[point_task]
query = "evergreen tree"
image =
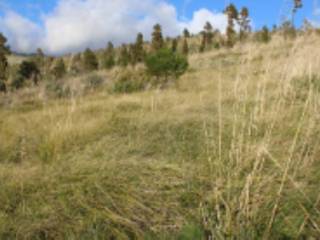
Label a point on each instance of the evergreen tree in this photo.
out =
(164, 64)
(232, 14)
(186, 33)
(185, 47)
(209, 33)
(174, 45)
(137, 53)
(139, 50)
(90, 62)
(157, 38)
(109, 56)
(244, 23)
(59, 69)
(4, 50)
(124, 57)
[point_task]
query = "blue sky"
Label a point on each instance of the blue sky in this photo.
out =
(28, 23)
(263, 12)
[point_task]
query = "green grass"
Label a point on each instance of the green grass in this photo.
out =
(232, 151)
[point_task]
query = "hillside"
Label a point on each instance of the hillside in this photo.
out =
(231, 151)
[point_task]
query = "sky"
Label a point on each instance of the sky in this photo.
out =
(64, 26)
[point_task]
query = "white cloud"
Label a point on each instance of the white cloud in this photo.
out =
(76, 24)
(22, 33)
(200, 17)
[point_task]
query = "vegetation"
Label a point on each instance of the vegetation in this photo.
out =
(139, 52)
(157, 38)
(124, 58)
(90, 62)
(4, 50)
(186, 33)
(123, 152)
(232, 14)
(244, 23)
(264, 35)
(185, 47)
(165, 64)
(174, 46)
(109, 57)
(59, 69)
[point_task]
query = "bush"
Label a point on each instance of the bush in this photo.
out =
(129, 82)
(90, 62)
(263, 36)
(27, 69)
(59, 69)
(17, 81)
(93, 81)
(165, 64)
(56, 89)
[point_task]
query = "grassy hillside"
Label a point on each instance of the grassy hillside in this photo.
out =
(232, 151)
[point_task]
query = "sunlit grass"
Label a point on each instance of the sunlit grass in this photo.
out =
(232, 152)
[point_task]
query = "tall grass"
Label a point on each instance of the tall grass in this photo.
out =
(231, 153)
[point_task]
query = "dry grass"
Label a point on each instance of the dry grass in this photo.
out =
(232, 152)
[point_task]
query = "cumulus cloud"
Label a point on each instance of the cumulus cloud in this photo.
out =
(218, 21)
(76, 24)
(21, 32)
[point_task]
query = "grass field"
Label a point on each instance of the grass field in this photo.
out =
(232, 151)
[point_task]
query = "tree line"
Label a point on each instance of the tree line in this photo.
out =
(163, 57)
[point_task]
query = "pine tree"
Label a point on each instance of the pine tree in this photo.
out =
(3, 62)
(139, 50)
(109, 56)
(244, 23)
(59, 69)
(137, 53)
(209, 33)
(174, 45)
(232, 14)
(185, 47)
(90, 62)
(186, 33)
(157, 38)
(124, 57)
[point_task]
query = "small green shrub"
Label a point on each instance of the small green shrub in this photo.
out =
(165, 65)
(127, 84)
(129, 81)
